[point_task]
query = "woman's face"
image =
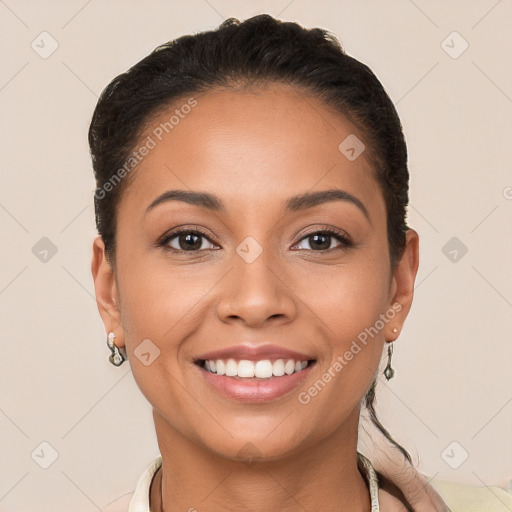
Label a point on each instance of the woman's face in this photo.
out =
(256, 274)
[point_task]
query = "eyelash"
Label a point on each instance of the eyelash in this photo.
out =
(339, 235)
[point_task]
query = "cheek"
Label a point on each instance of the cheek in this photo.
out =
(350, 299)
(351, 305)
(157, 295)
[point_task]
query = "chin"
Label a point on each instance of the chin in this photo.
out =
(252, 448)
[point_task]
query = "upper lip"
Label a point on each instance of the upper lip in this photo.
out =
(255, 353)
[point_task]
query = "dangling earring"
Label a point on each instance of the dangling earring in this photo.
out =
(116, 358)
(389, 372)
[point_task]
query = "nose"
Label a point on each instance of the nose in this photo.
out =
(257, 293)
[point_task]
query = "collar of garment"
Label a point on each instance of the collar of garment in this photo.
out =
(415, 487)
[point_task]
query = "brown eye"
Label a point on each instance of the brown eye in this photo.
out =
(321, 240)
(187, 240)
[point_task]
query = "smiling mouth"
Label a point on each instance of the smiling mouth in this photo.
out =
(264, 369)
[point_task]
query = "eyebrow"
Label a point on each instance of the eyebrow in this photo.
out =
(293, 204)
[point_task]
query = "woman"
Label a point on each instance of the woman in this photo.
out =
(253, 262)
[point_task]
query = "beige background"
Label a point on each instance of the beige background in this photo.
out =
(453, 359)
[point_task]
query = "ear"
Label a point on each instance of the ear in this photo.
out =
(107, 297)
(402, 283)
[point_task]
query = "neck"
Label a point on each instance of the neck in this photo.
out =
(324, 477)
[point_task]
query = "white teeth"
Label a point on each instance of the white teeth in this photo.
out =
(221, 367)
(289, 367)
(278, 368)
(263, 369)
(260, 369)
(245, 368)
(231, 368)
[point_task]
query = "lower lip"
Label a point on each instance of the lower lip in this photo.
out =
(255, 390)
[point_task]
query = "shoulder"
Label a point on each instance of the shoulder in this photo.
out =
(469, 498)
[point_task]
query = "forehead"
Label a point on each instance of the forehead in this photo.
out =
(252, 147)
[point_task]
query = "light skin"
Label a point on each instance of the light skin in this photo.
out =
(254, 149)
